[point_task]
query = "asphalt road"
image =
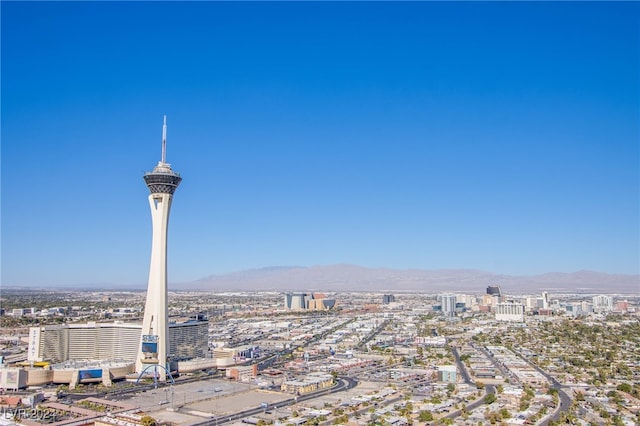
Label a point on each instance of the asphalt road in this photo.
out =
(565, 399)
(463, 368)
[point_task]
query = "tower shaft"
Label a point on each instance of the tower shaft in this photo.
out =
(155, 325)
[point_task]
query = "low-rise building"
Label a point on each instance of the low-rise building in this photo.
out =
(309, 383)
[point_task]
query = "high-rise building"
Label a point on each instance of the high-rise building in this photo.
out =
(449, 304)
(494, 290)
(602, 303)
(510, 311)
(467, 300)
(388, 298)
(154, 343)
(546, 300)
(315, 301)
(112, 341)
(295, 301)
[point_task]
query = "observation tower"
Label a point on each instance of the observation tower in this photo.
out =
(154, 345)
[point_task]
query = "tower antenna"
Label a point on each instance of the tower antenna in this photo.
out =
(164, 140)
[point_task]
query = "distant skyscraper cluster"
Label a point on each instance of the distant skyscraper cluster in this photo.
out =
(493, 301)
(514, 309)
(310, 301)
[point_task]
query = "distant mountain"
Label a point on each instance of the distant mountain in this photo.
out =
(357, 278)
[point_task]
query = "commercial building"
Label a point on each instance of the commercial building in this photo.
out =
(13, 379)
(111, 341)
(448, 304)
(510, 311)
(447, 373)
(579, 308)
(70, 373)
(242, 373)
(494, 290)
(121, 419)
(602, 303)
(309, 383)
(295, 301)
(315, 301)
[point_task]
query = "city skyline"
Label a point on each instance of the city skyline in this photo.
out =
(499, 137)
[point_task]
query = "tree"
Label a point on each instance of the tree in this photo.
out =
(148, 421)
(504, 413)
(490, 399)
(624, 387)
(425, 416)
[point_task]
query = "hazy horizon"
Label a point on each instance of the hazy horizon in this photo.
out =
(334, 278)
(500, 137)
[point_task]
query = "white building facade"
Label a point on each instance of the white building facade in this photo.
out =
(509, 311)
(111, 341)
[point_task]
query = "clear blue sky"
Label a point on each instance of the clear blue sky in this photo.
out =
(496, 136)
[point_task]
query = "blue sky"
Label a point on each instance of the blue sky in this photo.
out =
(496, 136)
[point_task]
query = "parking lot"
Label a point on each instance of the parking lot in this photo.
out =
(189, 403)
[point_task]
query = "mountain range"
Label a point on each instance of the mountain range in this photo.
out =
(341, 278)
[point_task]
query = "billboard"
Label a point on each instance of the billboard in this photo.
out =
(90, 375)
(149, 348)
(12, 378)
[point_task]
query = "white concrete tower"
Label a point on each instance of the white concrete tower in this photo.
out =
(154, 345)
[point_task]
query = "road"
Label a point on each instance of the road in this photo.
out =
(461, 367)
(565, 399)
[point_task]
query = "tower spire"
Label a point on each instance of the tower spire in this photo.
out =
(164, 140)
